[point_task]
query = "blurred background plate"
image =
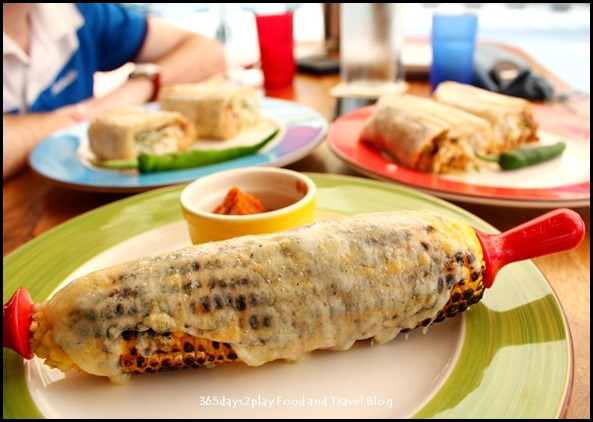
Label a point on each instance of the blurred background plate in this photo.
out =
(562, 182)
(62, 158)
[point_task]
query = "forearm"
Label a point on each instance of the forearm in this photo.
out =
(184, 56)
(21, 133)
(194, 59)
(190, 58)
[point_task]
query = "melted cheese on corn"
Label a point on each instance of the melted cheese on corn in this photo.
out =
(277, 296)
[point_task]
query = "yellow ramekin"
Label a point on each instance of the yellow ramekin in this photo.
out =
(289, 195)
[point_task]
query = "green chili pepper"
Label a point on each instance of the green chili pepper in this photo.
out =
(151, 163)
(123, 164)
(523, 157)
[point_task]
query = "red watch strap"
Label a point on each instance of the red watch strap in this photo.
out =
(156, 86)
(153, 73)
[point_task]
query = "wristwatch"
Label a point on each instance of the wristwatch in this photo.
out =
(152, 72)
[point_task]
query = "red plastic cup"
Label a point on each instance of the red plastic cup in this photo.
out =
(276, 45)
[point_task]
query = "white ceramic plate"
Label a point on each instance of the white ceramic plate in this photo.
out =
(509, 356)
(65, 159)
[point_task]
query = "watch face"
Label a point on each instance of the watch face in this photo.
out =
(148, 69)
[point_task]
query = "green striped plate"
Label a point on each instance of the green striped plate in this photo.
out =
(509, 356)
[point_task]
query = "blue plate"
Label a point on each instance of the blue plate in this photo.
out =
(61, 157)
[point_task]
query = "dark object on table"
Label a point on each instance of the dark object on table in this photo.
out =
(502, 72)
(346, 105)
(318, 65)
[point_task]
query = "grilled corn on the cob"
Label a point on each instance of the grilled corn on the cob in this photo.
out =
(260, 298)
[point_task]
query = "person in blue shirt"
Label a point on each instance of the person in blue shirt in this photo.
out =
(52, 52)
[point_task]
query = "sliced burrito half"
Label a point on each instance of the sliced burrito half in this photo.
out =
(511, 118)
(218, 112)
(125, 132)
(425, 135)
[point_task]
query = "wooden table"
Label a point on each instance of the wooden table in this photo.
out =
(33, 205)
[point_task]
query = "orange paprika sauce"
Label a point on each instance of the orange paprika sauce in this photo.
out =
(237, 202)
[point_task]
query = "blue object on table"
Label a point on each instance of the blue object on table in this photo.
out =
(453, 41)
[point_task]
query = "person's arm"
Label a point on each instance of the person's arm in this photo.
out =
(184, 57)
(21, 133)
